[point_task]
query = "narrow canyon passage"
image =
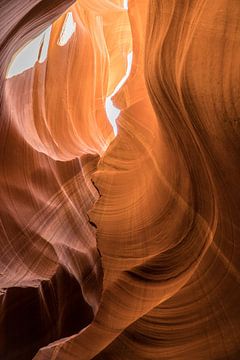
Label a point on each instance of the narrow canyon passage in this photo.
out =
(119, 173)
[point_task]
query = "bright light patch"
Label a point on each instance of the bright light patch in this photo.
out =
(46, 41)
(125, 4)
(112, 111)
(27, 57)
(68, 29)
(29, 54)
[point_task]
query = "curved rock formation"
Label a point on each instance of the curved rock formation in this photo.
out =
(126, 247)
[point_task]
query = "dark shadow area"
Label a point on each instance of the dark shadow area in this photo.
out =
(32, 318)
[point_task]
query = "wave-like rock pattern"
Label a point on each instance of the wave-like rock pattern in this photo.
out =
(127, 247)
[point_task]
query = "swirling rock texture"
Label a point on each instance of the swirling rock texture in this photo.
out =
(126, 247)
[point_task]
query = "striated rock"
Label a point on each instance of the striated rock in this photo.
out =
(126, 247)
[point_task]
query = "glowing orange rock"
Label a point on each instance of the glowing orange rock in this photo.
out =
(144, 226)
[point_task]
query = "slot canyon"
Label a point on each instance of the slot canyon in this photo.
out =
(119, 180)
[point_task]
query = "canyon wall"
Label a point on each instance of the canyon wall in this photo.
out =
(121, 247)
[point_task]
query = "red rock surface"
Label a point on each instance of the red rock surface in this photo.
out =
(121, 248)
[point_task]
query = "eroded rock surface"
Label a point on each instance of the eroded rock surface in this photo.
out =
(121, 247)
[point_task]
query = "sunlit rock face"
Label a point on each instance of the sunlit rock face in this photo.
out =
(120, 242)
